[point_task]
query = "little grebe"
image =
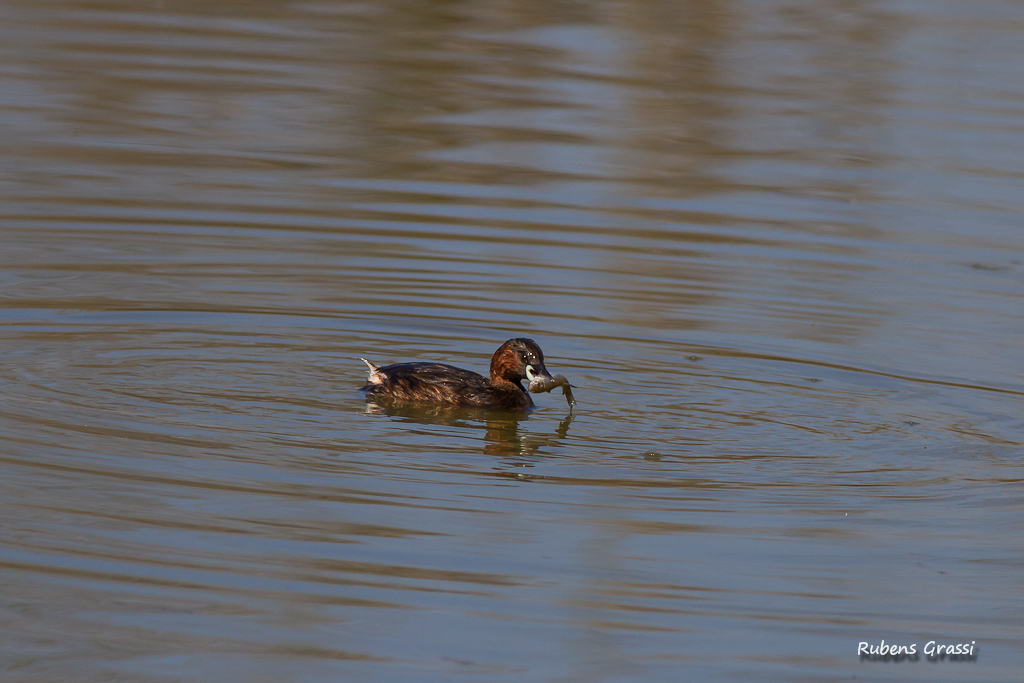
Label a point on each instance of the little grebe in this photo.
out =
(437, 383)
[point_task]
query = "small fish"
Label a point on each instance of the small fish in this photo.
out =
(543, 384)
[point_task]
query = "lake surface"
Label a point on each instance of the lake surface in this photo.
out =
(778, 248)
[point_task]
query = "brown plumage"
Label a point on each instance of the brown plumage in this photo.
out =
(441, 384)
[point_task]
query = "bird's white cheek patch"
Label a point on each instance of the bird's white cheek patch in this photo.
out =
(530, 372)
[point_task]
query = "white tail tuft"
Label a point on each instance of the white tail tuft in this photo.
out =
(374, 378)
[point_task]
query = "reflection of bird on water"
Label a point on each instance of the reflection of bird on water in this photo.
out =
(501, 430)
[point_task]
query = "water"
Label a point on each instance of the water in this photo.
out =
(777, 247)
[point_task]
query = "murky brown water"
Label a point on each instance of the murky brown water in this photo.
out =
(777, 246)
